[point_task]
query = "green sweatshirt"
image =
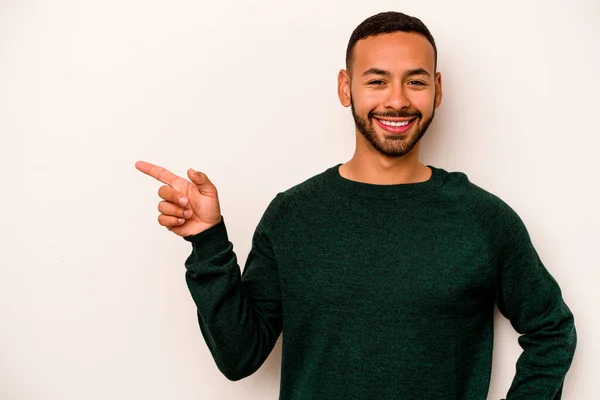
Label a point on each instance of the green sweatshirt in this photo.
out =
(382, 292)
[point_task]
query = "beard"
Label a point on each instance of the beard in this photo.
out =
(392, 146)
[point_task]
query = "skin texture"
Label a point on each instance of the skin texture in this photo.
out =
(392, 76)
(189, 206)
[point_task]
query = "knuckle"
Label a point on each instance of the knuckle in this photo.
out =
(169, 209)
(164, 220)
(162, 191)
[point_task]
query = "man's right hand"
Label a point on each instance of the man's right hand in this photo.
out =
(188, 207)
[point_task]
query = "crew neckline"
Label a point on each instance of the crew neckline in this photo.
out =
(362, 189)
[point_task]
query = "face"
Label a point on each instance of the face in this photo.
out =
(393, 91)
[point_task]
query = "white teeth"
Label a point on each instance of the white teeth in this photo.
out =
(390, 123)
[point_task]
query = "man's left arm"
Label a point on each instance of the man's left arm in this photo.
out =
(531, 299)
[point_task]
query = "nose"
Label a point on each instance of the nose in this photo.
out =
(396, 97)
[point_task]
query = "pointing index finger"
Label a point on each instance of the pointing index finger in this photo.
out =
(159, 173)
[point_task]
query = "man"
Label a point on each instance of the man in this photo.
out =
(381, 272)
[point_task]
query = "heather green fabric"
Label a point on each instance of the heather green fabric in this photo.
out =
(382, 292)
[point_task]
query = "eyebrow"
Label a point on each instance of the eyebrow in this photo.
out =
(411, 72)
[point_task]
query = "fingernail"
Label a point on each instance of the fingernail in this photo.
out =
(181, 220)
(182, 201)
(187, 213)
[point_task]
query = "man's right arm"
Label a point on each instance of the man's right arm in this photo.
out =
(239, 314)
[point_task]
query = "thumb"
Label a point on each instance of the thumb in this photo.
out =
(201, 181)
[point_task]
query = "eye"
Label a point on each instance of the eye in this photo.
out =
(377, 82)
(417, 83)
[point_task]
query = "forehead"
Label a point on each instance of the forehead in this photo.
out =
(394, 52)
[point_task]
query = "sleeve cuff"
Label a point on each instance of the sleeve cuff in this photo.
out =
(209, 242)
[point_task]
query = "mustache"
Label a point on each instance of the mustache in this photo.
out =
(396, 114)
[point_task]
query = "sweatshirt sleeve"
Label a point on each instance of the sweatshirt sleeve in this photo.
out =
(239, 313)
(531, 299)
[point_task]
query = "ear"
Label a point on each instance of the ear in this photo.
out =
(344, 88)
(438, 89)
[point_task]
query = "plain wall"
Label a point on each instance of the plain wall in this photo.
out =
(93, 302)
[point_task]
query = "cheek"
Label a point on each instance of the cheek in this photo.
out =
(423, 101)
(367, 101)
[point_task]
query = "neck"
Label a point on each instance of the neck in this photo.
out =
(370, 166)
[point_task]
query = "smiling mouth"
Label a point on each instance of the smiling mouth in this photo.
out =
(395, 126)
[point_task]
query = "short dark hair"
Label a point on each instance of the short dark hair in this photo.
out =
(387, 22)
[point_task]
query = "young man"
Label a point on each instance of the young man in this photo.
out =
(382, 272)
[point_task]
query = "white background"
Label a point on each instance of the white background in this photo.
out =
(93, 303)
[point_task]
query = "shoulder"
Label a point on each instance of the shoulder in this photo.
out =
(479, 204)
(311, 188)
(301, 194)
